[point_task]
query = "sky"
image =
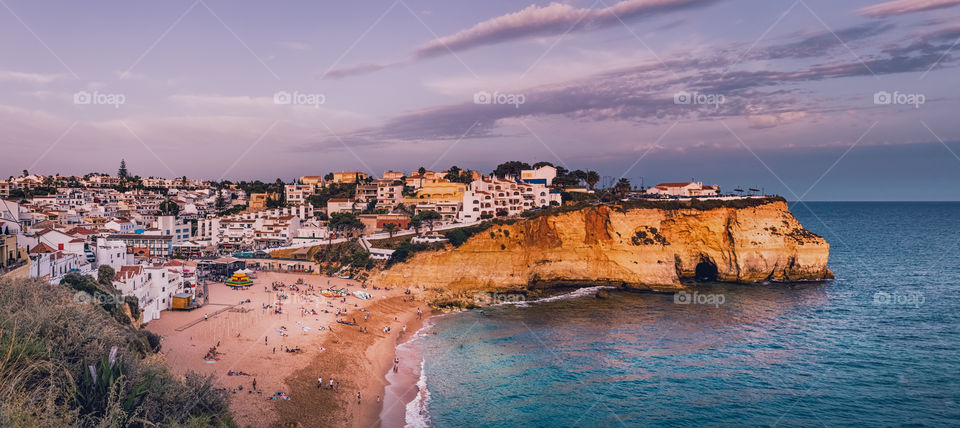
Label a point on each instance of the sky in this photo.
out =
(809, 99)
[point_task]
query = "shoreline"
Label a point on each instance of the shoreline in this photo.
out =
(358, 361)
(402, 387)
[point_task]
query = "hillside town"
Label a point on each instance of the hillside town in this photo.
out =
(162, 237)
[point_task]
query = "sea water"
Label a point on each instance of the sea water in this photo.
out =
(878, 346)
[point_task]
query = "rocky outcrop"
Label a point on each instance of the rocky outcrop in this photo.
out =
(650, 248)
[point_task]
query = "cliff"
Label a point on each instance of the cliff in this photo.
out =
(640, 247)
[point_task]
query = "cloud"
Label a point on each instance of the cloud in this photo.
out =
(903, 7)
(533, 21)
(553, 19)
(34, 78)
(358, 69)
(822, 42)
(765, 97)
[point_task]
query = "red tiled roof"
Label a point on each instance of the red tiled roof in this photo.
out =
(80, 231)
(41, 248)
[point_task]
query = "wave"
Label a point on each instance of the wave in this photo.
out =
(417, 415)
(580, 292)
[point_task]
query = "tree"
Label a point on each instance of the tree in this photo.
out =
(422, 171)
(429, 217)
(220, 202)
(622, 187)
(26, 173)
(592, 178)
(390, 228)
(541, 163)
(105, 275)
(416, 223)
(511, 168)
(345, 223)
(122, 172)
(169, 207)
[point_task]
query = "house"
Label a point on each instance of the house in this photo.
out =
(393, 175)
(349, 177)
(684, 189)
(51, 265)
(120, 225)
(543, 175)
(153, 285)
(144, 246)
(377, 222)
(111, 253)
(497, 197)
(297, 194)
(337, 205)
(258, 201)
(170, 225)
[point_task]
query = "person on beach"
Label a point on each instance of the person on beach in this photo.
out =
(319, 382)
(378, 398)
(331, 384)
(358, 397)
(254, 384)
(264, 340)
(204, 317)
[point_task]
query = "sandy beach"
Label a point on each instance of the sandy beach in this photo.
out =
(251, 338)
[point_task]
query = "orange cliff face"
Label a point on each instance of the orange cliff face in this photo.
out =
(648, 248)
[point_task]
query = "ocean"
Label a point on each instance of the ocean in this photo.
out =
(878, 346)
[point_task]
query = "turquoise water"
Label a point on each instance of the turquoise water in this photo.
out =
(813, 354)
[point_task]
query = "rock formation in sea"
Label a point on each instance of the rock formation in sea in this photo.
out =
(642, 246)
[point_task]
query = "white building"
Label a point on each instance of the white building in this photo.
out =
(684, 189)
(152, 285)
(111, 253)
(170, 225)
(495, 197)
(543, 175)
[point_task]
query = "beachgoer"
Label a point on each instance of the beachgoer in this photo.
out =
(254, 384)
(319, 382)
(204, 317)
(264, 340)
(331, 384)
(358, 397)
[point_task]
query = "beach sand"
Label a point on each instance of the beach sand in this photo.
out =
(358, 361)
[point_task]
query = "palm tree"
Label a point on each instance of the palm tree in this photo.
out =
(622, 187)
(592, 178)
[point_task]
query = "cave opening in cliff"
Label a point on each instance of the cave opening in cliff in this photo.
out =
(706, 270)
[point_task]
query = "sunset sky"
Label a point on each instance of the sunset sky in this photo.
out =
(190, 88)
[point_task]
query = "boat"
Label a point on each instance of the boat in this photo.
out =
(332, 292)
(362, 295)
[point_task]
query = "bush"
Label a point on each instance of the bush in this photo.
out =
(47, 342)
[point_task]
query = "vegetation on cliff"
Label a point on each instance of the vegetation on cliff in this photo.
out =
(67, 360)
